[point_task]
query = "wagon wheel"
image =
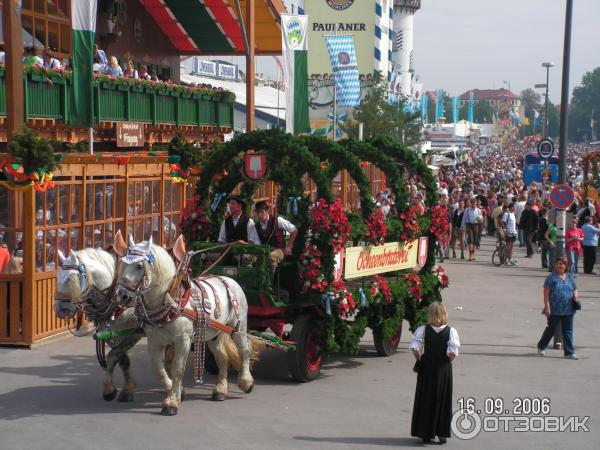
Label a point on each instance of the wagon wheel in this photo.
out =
(387, 347)
(305, 363)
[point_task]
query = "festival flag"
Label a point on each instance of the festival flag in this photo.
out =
(470, 115)
(425, 109)
(345, 69)
(455, 106)
(294, 40)
(439, 108)
(536, 118)
(83, 20)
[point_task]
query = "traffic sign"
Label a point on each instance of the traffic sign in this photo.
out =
(562, 196)
(545, 148)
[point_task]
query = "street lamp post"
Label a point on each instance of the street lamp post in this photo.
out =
(564, 116)
(547, 65)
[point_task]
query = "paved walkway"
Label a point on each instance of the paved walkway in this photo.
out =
(51, 397)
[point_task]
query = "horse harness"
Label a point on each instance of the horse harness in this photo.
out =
(184, 291)
(99, 305)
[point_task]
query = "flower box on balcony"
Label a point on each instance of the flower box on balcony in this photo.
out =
(38, 77)
(164, 92)
(122, 87)
(108, 86)
(58, 80)
(137, 89)
(207, 97)
(186, 95)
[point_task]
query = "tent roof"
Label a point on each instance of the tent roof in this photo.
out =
(212, 27)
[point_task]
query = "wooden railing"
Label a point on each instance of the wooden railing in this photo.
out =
(49, 99)
(11, 309)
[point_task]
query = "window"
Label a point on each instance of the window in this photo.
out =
(48, 24)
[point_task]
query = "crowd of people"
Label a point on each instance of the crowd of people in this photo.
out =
(489, 195)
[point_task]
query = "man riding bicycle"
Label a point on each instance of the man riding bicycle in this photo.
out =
(508, 224)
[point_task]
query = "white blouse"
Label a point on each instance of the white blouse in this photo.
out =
(418, 339)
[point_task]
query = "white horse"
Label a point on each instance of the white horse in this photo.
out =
(85, 278)
(145, 277)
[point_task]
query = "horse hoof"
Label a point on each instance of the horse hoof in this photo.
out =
(110, 396)
(250, 389)
(182, 394)
(218, 397)
(168, 411)
(125, 397)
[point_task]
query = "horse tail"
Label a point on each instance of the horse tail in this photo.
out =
(256, 348)
(228, 347)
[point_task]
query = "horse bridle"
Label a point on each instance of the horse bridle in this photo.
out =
(81, 272)
(133, 292)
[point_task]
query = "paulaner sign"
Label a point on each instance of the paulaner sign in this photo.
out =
(371, 260)
(355, 17)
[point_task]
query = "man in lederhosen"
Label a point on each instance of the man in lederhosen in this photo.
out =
(238, 226)
(270, 230)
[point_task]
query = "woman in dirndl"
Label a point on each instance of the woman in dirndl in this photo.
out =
(434, 346)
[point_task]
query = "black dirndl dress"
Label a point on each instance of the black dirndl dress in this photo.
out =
(432, 411)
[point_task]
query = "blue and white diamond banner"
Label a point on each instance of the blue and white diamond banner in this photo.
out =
(345, 69)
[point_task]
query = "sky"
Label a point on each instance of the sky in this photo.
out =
(478, 44)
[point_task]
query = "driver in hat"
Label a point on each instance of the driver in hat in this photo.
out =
(270, 230)
(237, 226)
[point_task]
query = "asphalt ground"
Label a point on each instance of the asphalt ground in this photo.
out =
(50, 397)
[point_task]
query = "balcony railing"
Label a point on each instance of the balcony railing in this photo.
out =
(46, 98)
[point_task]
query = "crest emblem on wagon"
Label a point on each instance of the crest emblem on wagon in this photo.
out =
(255, 166)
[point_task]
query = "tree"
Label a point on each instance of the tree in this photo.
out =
(531, 100)
(380, 118)
(482, 112)
(585, 102)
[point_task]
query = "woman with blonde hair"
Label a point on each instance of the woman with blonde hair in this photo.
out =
(434, 347)
(114, 68)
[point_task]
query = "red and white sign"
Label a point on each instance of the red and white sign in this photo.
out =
(562, 196)
(255, 166)
(423, 244)
(338, 268)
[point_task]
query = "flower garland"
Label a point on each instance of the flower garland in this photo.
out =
(409, 225)
(380, 290)
(376, 228)
(444, 280)
(415, 287)
(195, 223)
(310, 269)
(330, 231)
(343, 297)
(330, 224)
(440, 226)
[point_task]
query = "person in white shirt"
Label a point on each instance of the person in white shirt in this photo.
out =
(270, 230)
(237, 226)
(434, 347)
(519, 208)
(509, 225)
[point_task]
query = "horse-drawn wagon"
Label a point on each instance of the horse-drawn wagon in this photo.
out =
(333, 284)
(328, 287)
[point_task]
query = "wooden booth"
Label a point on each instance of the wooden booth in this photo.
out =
(93, 197)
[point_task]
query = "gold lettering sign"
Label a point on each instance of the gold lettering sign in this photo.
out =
(371, 260)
